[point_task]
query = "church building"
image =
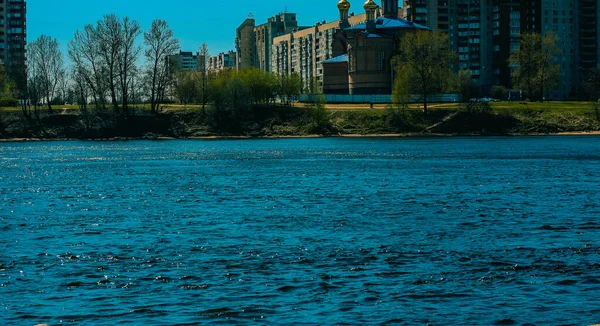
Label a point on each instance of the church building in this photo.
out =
(362, 62)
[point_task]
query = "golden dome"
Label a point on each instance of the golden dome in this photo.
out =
(344, 5)
(370, 5)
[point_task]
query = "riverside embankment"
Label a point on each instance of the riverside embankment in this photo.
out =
(280, 121)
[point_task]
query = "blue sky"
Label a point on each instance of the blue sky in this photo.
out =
(194, 21)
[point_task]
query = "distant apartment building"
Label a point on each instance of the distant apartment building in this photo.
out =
(471, 30)
(424, 12)
(303, 52)
(223, 61)
(575, 23)
(589, 33)
(561, 19)
(484, 33)
(245, 46)
(254, 43)
(511, 18)
(184, 61)
(13, 40)
(264, 34)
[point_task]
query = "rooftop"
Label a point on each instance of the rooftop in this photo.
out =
(341, 58)
(390, 23)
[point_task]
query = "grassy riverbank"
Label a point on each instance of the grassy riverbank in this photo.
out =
(272, 121)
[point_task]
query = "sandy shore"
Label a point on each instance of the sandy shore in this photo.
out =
(402, 135)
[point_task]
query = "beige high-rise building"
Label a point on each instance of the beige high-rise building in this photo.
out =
(254, 43)
(264, 34)
(303, 52)
(245, 46)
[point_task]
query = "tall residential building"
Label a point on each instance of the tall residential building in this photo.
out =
(304, 51)
(589, 33)
(13, 40)
(470, 29)
(264, 34)
(473, 36)
(560, 17)
(511, 18)
(245, 46)
(184, 61)
(424, 12)
(254, 43)
(484, 33)
(223, 61)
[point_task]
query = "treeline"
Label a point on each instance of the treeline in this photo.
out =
(115, 64)
(235, 88)
(105, 66)
(112, 70)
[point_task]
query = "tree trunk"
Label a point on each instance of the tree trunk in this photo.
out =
(113, 94)
(124, 89)
(425, 111)
(153, 96)
(49, 105)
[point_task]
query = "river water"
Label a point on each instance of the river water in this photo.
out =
(439, 231)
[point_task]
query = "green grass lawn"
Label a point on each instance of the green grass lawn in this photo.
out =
(545, 108)
(559, 107)
(550, 107)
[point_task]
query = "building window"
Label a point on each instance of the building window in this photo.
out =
(380, 59)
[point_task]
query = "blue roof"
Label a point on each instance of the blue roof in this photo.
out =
(389, 23)
(341, 58)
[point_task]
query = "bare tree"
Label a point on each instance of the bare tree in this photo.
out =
(129, 54)
(161, 43)
(84, 52)
(47, 61)
(82, 90)
(203, 63)
(108, 33)
(118, 51)
(136, 85)
(64, 85)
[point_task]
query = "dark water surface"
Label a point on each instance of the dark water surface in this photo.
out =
(455, 231)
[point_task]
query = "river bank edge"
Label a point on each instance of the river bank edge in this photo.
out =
(281, 122)
(374, 136)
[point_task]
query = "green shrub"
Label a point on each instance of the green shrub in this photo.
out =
(476, 107)
(231, 103)
(320, 117)
(499, 92)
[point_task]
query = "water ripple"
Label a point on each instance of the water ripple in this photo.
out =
(454, 231)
